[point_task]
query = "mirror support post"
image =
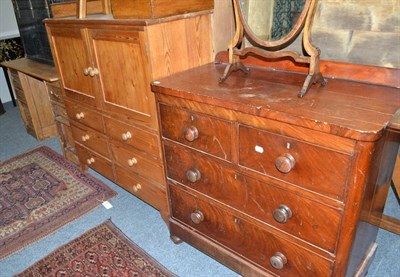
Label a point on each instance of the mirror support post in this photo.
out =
(273, 49)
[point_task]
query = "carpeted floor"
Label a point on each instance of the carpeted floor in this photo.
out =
(101, 251)
(144, 226)
(40, 191)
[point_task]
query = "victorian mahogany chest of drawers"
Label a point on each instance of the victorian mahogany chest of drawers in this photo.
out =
(271, 184)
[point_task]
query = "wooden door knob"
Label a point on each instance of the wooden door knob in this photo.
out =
(80, 115)
(86, 71)
(278, 261)
(197, 217)
(90, 161)
(137, 187)
(85, 137)
(282, 214)
(193, 175)
(285, 163)
(93, 72)
(132, 162)
(191, 133)
(126, 136)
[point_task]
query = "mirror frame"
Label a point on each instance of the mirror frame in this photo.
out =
(272, 49)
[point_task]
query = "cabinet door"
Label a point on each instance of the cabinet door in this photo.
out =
(72, 58)
(121, 60)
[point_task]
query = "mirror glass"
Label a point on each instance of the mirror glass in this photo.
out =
(271, 20)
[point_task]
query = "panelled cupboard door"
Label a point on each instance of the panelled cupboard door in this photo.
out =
(72, 56)
(122, 63)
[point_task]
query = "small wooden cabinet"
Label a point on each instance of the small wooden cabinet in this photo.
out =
(106, 67)
(271, 184)
(41, 102)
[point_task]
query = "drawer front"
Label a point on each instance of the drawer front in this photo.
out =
(16, 82)
(20, 95)
(91, 139)
(85, 116)
(133, 136)
(245, 238)
(27, 118)
(203, 132)
(135, 161)
(142, 188)
(60, 111)
(299, 216)
(315, 168)
(55, 93)
(94, 161)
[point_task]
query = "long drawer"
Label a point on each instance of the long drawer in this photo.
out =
(196, 130)
(238, 234)
(299, 216)
(308, 166)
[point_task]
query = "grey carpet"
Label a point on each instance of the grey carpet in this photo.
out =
(144, 225)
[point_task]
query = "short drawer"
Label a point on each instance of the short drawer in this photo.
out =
(94, 161)
(55, 93)
(135, 161)
(85, 115)
(91, 139)
(203, 132)
(14, 77)
(133, 136)
(20, 95)
(142, 188)
(299, 216)
(309, 166)
(241, 235)
(59, 110)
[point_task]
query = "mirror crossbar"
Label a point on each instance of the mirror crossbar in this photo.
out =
(273, 49)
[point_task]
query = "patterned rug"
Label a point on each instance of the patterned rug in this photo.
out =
(40, 192)
(101, 251)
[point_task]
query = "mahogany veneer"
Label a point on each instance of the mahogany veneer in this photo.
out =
(271, 184)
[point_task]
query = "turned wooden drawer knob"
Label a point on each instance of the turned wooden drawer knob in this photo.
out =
(197, 217)
(285, 163)
(278, 261)
(191, 133)
(126, 136)
(85, 137)
(193, 175)
(282, 213)
(80, 115)
(90, 161)
(137, 187)
(132, 162)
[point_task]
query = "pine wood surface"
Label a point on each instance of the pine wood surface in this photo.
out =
(107, 97)
(41, 71)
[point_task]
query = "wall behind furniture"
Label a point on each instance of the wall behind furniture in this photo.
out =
(8, 29)
(355, 31)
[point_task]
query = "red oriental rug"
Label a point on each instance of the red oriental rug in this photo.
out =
(101, 251)
(40, 192)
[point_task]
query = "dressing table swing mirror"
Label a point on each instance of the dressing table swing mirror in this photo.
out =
(271, 26)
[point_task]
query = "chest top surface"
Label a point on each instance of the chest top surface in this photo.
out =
(345, 108)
